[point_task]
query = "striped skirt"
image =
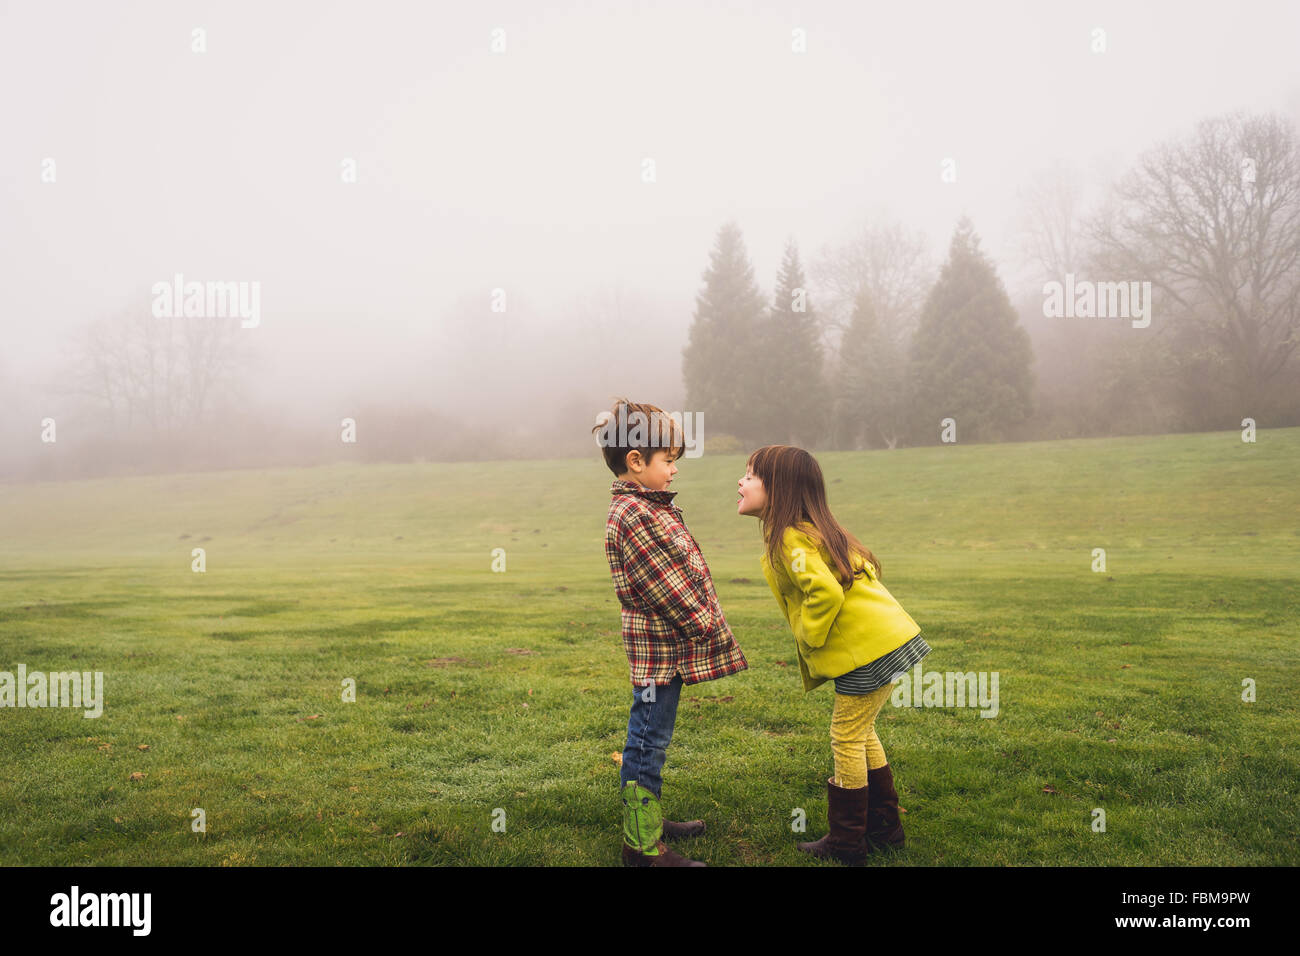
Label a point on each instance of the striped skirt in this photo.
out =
(882, 670)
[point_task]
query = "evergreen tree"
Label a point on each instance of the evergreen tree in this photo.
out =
(871, 394)
(721, 359)
(970, 360)
(793, 398)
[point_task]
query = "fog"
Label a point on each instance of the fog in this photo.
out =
(522, 169)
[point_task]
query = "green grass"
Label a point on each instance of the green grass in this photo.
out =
(1119, 690)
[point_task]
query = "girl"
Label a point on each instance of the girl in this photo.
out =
(847, 627)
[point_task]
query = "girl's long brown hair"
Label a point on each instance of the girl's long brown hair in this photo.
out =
(796, 492)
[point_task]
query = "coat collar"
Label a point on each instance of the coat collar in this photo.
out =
(621, 487)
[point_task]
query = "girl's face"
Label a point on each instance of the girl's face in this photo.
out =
(753, 499)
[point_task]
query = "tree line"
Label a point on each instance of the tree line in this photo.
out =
(872, 346)
(879, 349)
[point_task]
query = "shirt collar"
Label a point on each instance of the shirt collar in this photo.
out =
(621, 487)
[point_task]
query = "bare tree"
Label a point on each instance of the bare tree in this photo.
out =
(158, 374)
(1087, 373)
(1213, 223)
(871, 290)
(1051, 221)
(887, 262)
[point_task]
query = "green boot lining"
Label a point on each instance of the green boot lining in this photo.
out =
(643, 819)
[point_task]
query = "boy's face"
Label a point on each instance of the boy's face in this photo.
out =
(753, 499)
(654, 474)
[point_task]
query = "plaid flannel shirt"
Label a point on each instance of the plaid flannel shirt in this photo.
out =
(672, 621)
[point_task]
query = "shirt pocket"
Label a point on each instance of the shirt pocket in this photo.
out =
(692, 559)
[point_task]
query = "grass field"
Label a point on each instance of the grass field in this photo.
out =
(479, 691)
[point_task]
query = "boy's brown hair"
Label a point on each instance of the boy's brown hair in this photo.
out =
(636, 426)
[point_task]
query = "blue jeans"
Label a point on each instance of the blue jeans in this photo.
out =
(649, 731)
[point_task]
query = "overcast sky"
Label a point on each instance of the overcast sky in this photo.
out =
(523, 169)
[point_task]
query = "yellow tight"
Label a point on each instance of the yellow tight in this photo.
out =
(853, 736)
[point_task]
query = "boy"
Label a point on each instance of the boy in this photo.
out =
(673, 628)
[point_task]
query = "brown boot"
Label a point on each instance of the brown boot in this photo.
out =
(682, 831)
(665, 857)
(846, 812)
(884, 828)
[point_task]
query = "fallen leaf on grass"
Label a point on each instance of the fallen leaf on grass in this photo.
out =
(142, 747)
(312, 717)
(1050, 789)
(137, 776)
(521, 651)
(617, 757)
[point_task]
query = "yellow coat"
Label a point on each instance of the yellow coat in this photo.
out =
(834, 631)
